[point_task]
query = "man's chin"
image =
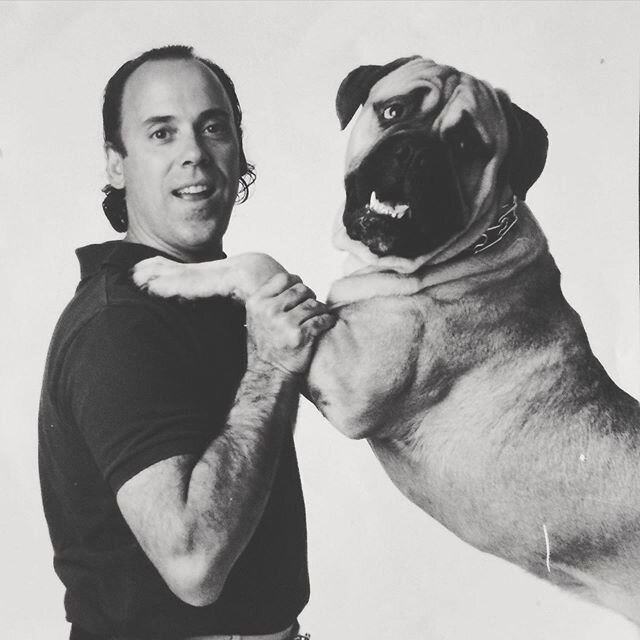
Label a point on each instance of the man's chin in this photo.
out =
(197, 244)
(216, 207)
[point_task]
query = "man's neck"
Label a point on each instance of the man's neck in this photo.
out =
(212, 252)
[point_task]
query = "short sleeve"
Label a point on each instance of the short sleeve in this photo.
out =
(133, 389)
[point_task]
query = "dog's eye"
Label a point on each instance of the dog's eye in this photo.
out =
(393, 111)
(459, 144)
(465, 142)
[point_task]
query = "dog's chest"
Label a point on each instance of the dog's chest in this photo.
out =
(451, 465)
(481, 368)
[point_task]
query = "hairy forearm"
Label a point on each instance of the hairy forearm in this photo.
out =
(228, 488)
(195, 528)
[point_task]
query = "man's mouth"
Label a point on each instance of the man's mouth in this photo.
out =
(194, 192)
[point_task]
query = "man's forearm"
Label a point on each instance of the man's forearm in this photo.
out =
(230, 484)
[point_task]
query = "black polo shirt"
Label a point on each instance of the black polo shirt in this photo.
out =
(131, 380)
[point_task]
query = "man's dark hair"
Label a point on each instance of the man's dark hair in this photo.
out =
(114, 204)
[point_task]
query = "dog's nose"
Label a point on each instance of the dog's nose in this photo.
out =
(418, 159)
(411, 152)
(402, 154)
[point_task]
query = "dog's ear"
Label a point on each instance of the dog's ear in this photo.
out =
(354, 89)
(528, 144)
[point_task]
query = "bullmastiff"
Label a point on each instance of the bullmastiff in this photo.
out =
(455, 353)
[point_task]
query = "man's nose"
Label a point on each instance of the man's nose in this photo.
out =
(193, 151)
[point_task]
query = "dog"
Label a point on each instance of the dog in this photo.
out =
(455, 353)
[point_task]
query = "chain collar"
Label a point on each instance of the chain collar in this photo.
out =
(494, 234)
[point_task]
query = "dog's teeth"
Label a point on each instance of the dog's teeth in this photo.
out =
(377, 206)
(385, 208)
(380, 207)
(401, 210)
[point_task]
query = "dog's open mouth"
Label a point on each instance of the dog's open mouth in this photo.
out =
(397, 211)
(404, 199)
(384, 226)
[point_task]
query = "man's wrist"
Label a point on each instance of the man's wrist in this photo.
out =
(261, 368)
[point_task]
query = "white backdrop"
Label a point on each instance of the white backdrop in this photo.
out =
(380, 568)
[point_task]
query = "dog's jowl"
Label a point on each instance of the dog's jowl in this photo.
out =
(456, 354)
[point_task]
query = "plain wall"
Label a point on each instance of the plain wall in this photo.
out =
(380, 568)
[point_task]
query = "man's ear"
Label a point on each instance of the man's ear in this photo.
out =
(115, 167)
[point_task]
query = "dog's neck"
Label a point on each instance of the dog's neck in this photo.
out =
(505, 221)
(512, 239)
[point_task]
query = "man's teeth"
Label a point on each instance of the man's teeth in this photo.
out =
(386, 208)
(193, 189)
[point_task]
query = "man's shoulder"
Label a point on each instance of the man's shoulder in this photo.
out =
(102, 294)
(105, 291)
(108, 306)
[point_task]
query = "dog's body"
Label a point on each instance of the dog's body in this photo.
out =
(482, 400)
(461, 362)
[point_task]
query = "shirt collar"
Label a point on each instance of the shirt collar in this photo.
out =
(120, 254)
(115, 253)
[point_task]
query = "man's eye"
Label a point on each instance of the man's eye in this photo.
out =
(393, 111)
(160, 134)
(216, 128)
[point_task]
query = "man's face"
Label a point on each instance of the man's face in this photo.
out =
(181, 167)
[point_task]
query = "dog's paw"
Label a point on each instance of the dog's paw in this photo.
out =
(237, 277)
(162, 277)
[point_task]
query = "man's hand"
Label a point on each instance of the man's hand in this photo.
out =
(283, 320)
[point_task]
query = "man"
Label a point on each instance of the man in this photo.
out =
(168, 473)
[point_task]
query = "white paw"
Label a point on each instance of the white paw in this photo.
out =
(162, 277)
(236, 277)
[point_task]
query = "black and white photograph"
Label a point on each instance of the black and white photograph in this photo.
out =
(321, 320)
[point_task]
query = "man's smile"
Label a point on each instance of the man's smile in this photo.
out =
(194, 192)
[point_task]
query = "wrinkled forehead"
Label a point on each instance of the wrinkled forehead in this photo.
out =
(417, 73)
(448, 95)
(439, 81)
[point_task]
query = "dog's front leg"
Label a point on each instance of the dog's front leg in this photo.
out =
(364, 371)
(237, 277)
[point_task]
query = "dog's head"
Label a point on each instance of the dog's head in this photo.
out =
(432, 156)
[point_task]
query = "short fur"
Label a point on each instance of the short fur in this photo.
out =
(469, 374)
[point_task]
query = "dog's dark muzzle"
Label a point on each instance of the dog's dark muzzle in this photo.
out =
(404, 198)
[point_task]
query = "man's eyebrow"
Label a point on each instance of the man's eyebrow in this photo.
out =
(215, 112)
(157, 120)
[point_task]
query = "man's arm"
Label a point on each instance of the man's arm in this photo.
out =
(193, 517)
